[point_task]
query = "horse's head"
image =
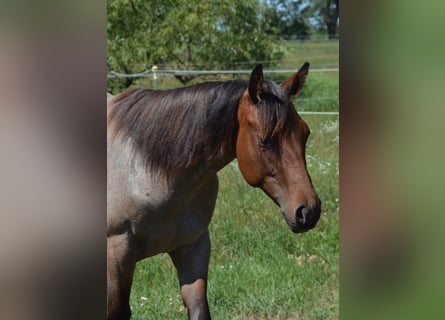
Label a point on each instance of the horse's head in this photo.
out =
(271, 147)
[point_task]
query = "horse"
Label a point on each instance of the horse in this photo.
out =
(164, 149)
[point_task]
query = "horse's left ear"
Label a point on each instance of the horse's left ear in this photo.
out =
(255, 83)
(294, 83)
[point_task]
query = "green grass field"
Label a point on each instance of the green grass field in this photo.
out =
(259, 269)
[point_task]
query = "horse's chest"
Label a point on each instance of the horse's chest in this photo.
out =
(175, 218)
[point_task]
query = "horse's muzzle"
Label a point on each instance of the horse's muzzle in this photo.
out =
(306, 218)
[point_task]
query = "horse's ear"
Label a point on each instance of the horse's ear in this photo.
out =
(294, 83)
(256, 82)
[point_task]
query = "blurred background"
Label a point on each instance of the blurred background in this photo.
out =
(391, 160)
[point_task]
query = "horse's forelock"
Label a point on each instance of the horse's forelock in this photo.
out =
(276, 114)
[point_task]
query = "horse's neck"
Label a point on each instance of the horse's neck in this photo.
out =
(226, 154)
(220, 163)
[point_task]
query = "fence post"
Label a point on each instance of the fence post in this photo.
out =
(155, 76)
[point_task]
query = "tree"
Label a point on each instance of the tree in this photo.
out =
(288, 18)
(185, 35)
(326, 12)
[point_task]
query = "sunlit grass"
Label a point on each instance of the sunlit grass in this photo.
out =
(318, 53)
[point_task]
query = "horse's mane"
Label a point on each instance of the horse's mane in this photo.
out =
(178, 129)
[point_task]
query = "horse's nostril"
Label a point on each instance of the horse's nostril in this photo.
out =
(301, 214)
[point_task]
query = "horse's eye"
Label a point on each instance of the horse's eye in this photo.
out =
(265, 142)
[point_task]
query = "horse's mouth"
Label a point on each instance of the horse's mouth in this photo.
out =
(299, 228)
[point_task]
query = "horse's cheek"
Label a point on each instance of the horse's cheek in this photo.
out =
(249, 167)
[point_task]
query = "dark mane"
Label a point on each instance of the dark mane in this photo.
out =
(174, 130)
(275, 114)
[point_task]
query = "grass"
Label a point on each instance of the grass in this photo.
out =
(259, 269)
(318, 53)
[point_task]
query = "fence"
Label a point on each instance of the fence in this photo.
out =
(155, 73)
(148, 72)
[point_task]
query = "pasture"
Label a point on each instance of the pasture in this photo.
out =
(259, 269)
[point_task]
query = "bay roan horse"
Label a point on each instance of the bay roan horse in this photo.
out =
(164, 151)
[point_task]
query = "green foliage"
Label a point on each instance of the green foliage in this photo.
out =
(201, 34)
(326, 15)
(288, 18)
(299, 19)
(185, 35)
